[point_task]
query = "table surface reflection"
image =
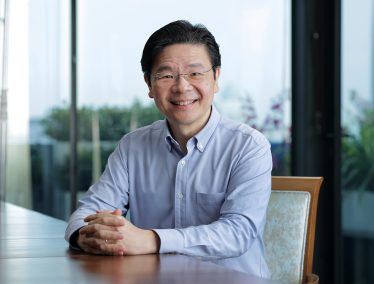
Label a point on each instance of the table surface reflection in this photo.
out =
(32, 250)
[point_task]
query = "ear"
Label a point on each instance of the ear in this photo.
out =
(218, 73)
(148, 82)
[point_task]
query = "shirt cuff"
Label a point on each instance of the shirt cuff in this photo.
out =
(73, 240)
(171, 240)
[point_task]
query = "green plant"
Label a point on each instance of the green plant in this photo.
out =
(114, 121)
(358, 156)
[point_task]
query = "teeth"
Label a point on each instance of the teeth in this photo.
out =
(183, 103)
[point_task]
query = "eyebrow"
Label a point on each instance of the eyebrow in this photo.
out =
(195, 65)
(163, 68)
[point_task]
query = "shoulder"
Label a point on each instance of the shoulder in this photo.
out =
(244, 145)
(242, 132)
(152, 129)
(142, 136)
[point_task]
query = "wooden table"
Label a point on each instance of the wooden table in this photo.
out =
(32, 250)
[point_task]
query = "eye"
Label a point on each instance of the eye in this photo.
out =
(196, 74)
(164, 76)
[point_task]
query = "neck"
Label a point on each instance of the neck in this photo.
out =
(181, 137)
(182, 133)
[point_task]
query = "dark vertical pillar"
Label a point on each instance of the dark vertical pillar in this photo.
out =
(73, 173)
(316, 120)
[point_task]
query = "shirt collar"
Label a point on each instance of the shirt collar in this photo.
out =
(168, 138)
(201, 138)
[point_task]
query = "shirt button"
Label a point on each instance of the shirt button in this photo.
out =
(183, 162)
(179, 195)
(200, 146)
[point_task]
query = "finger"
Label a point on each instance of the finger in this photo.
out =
(93, 228)
(93, 245)
(107, 219)
(117, 212)
(104, 247)
(99, 214)
(115, 249)
(90, 250)
(85, 247)
(96, 216)
(110, 236)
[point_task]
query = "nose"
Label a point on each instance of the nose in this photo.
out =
(184, 76)
(181, 83)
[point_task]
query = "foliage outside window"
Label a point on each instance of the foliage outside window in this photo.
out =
(113, 123)
(358, 150)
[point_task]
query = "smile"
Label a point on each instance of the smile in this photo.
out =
(183, 103)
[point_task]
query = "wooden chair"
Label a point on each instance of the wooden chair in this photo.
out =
(290, 228)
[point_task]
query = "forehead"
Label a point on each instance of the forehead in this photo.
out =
(180, 55)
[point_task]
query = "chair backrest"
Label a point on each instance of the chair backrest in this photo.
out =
(290, 227)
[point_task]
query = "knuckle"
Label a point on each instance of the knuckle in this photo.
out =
(106, 220)
(101, 235)
(96, 227)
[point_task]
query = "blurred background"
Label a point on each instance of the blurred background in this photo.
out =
(302, 72)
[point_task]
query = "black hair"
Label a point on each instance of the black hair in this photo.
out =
(179, 32)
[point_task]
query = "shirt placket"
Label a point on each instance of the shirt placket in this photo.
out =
(180, 185)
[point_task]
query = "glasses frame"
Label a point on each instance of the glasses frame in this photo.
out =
(187, 76)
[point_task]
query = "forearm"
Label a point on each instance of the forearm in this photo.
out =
(228, 237)
(109, 193)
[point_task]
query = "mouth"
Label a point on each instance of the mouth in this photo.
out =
(184, 103)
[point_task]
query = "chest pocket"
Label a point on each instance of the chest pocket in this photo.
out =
(209, 206)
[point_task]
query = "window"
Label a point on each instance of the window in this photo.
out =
(357, 144)
(254, 38)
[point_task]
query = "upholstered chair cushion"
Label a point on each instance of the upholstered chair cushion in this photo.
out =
(285, 234)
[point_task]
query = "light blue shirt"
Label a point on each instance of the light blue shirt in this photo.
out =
(210, 203)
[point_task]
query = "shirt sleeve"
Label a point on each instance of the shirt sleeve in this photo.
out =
(242, 215)
(109, 193)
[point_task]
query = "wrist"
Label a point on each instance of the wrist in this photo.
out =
(154, 241)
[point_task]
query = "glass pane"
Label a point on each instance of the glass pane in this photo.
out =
(254, 38)
(38, 84)
(358, 140)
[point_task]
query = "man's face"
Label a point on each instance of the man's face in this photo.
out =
(185, 100)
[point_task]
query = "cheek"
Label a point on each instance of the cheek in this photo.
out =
(208, 90)
(159, 102)
(154, 93)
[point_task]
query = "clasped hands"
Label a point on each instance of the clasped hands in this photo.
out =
(108, 232)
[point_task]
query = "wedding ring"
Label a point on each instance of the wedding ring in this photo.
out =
(106, 241)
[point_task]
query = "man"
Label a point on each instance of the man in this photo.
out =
(195, 183)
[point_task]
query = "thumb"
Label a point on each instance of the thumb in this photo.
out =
(117, 212)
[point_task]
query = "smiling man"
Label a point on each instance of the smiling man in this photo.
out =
(196, 183)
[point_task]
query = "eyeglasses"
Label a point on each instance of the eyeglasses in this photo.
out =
(168, 77)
